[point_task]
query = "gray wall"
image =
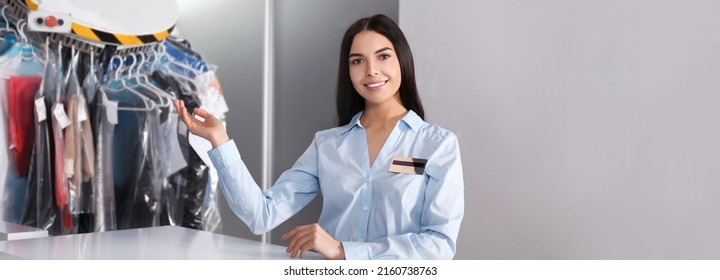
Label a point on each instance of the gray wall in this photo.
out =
(306, 42)
(307, 48)
(588, 129)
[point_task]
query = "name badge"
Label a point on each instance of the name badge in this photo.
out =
(408, 165)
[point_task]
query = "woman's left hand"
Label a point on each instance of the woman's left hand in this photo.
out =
(313, 237)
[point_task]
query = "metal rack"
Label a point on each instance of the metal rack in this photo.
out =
(17, 11)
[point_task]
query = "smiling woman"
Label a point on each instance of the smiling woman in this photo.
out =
(374, 68)
(374, 206)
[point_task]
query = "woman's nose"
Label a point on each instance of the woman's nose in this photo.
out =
(371, 70)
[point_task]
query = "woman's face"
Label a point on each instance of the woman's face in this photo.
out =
(374, 68)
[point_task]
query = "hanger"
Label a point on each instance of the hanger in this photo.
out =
(41, 91)
(165, 59)
(144, 82)
(72, 69)
(28, 51)
(118, 79)
(7, 22)
(149, 104)
(9, 39)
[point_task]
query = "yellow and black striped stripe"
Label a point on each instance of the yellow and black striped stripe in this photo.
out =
(118, 39)
(110, 38)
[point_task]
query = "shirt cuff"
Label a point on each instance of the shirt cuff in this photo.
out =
(356, 251)
(224, 155)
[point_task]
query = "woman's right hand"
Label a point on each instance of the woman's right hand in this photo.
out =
(211, 129)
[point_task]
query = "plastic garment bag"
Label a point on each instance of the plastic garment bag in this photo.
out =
(172, 195)
(104, 116)
(199, 88)
(21, 96)
(40, 210)
(7, 164)
(211, 220)
(23, 85)
(191, 181)
(182, 62)
(79, 150)
(127, 159)
(148, 185)
(102, 183)
(173, 201)
(21, 78)
(136, 159)
(60, 121)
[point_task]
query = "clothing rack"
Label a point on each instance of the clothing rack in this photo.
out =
(168, 192)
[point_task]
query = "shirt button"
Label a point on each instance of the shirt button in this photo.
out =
(364, 208)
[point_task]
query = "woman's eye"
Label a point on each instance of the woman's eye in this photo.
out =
(356, 61)
(384, 56)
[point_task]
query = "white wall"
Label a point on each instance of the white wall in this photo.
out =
(588, 129)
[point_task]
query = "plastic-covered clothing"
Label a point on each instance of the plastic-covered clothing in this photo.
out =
(190, 183)
(104, 205)
(21, 96)
(40, 211)
(136, 160)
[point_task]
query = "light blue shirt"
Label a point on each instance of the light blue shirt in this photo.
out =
(375, 213)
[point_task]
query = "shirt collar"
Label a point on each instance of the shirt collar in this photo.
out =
(411, 119)
(355, 121)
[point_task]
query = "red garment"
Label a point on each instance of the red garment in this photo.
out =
(21, 97)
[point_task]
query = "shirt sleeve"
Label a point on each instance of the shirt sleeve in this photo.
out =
(442, 213)
(262, 212)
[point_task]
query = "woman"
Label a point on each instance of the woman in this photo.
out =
(392, 184)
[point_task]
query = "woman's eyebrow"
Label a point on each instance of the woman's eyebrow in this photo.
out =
(383, 49)
(378, 51)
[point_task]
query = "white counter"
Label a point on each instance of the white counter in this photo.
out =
(11, 231)
(165, 243)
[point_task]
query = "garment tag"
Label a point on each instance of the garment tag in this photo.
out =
(60, 115)
(40, 111)
(408, 165)
(82, 109)
(82, 113)
(69, 167)
(112, 111)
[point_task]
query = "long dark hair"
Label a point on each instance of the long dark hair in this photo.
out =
(349, 102)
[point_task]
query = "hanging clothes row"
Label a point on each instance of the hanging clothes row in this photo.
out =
(94, 143)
